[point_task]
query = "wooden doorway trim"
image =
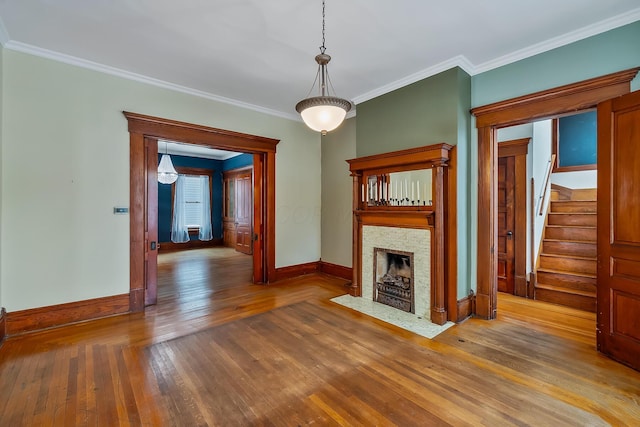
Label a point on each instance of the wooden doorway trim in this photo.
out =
(263, 150)
(518, 148)
(523, 109)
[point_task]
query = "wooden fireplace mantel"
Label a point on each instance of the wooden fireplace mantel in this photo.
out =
(434, 217)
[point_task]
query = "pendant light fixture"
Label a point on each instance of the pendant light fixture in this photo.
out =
(166, 172)
(323, 113)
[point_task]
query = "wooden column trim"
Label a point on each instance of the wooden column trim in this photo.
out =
(451, 235)
(438, 266)
(486, 292)
(355, 289)
(269, 207)
(137, 206)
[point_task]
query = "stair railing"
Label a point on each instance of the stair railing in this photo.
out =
(545, 187)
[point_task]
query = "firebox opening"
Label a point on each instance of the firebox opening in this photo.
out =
(393, 272)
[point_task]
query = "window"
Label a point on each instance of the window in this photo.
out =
(193, 195)
(192, 205)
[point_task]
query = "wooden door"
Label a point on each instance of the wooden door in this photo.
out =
(151, 223)
(618, 292)
(506, 224)
(244, 213)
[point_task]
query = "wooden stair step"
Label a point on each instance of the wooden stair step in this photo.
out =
(568, 263)
(560, 232)
(578, 281)
(570, 247)
(571, 218)
(586, 206)
(570, 298)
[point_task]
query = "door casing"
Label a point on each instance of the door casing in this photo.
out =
(263, 149)
(489, 118)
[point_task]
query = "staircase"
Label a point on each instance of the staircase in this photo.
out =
(567, 265)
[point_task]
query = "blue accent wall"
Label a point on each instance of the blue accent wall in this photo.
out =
(237, 162)
(164, 196)
(577, 139)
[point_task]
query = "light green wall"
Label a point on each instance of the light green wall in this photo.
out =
(605, 53)
(419, 114)
(337, 147)
(65, 165)
(427, 112)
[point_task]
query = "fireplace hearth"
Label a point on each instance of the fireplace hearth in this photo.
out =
(394, 282)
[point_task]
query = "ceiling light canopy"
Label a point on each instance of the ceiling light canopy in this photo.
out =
(325, 112)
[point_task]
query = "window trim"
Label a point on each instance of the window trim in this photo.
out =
(194, 172)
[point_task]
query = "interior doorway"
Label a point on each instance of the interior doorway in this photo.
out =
(546, 104)
(144, 133)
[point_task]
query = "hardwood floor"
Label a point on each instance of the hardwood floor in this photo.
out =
(218, 350)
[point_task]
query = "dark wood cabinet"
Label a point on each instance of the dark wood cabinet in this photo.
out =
(237, 221)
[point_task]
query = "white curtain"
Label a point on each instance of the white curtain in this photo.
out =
(179, 231)
(205, 215)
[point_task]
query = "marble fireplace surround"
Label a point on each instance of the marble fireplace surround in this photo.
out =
(413, 240)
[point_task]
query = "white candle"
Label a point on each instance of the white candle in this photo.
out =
(412, 191)
(418, 185)
(363, 192)
(406, 189)
(395, 196)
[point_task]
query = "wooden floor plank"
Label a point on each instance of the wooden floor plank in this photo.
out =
(217, 350)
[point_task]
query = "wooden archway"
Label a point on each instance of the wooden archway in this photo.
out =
(143, 127)
(524, 109)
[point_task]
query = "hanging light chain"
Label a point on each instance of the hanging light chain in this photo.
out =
(322, 48)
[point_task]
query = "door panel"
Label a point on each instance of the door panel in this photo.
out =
(618, 294)
(244, 213)
(506, 224)
(151, 223)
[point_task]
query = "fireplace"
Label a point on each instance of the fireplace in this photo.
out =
(393, 273)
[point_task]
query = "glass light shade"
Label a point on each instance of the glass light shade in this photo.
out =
(324, 118)
(166, 172)
(323, 113)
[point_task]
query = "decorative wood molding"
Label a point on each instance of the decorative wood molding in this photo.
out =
(451, 233)
(336, 270)
(263, 149)
(3, 324)
(289, 272)
(403, 159)
(559, 100)
(160, 128)
(523, 109)
(515, 147)
(57, 315)
(191, 244)
(435, 218)
(466, 307)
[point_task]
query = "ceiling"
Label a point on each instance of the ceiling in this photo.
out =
(260, 54)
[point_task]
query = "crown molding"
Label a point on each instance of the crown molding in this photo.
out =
(457, 61)
(83, 63)
(563, 40)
